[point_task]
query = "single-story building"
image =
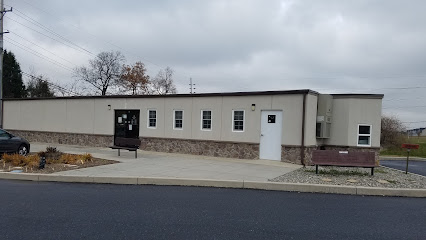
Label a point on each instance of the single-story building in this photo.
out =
(417, 132)
(276, 125)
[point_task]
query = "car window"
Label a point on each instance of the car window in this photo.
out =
(3, 134)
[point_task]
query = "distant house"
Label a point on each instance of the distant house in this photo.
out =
(417, 132)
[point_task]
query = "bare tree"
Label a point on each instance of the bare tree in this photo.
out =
(103, 72)
(135, 79)
(392, 134)
(163, 82)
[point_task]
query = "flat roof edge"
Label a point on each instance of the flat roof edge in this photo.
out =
(225, 94)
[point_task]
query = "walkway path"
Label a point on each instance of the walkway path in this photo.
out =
(155, 164)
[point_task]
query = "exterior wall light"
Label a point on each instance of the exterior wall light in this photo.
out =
(253, 107)
(109, 106)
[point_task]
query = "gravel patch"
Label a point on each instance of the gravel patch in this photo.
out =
(383, 177)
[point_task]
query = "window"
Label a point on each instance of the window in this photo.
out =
(238, 120)
(152, 118)
(206, 120)
(364, 135)
(178, 119)
(4, 134)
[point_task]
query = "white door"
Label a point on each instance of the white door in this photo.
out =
(270, 135)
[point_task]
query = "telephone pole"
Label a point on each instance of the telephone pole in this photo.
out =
(3, 11)
(191, 86)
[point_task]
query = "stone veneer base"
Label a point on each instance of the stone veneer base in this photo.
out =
(186, 146)
(201, 147)
(91, 140)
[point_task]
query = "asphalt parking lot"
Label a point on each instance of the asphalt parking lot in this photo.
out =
(414, 166)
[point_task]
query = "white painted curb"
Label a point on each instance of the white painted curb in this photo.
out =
(274, 186)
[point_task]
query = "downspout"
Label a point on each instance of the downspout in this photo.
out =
(302, 146)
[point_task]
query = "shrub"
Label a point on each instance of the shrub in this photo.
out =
(41, 154)
(50, 149)
(68, 158)
(19, 160)
(14, 159)
(52, 154)
(86, 157)
(32, 160)
(392, 134)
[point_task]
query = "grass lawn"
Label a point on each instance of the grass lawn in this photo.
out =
(421, 152)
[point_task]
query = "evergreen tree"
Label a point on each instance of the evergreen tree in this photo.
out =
(13, 86)
(38, 87)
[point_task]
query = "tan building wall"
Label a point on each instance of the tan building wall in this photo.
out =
(348, 112)
(93, 116)
(310, 120)
(90, 121)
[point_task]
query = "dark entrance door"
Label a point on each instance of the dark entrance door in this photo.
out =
(126, 124)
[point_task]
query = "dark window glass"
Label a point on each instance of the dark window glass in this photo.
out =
(178, 119)
(239, 120)
(318, 130)
(152, 115)
(3, 134)
(207, 120)
(364, 140)
(364, 129)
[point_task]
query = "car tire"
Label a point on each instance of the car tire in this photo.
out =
(23, 150)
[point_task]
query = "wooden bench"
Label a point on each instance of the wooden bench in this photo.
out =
(130, 144)
(343, 159)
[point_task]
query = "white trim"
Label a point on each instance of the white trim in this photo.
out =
(174, 119)
(211, 120)
(364, 135)
(233, 120)
(147, 117)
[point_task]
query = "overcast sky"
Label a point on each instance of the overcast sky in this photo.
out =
(238, 45)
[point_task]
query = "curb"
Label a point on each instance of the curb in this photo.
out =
(273, 186)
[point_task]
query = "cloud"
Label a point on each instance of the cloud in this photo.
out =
(330, 46)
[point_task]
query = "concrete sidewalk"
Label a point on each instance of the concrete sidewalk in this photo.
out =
(167, 165)
(152, 168)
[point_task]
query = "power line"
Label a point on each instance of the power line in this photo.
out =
(151, 62)
(404, 107)
(102, 39)
(21, 46)
(35, 22)
(386, 88)
(88, 53)
(400, 99)
(60, 88)
(35, 44)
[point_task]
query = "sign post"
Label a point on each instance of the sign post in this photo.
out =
(409, 147)
(408, 157)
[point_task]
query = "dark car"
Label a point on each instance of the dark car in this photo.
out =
(13, 144)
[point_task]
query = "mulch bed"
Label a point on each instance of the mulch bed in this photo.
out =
(56, 167)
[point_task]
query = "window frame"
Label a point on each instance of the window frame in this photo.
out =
(364, 135)
(174, 119)
(148, 118)
(233, 120)
(211, 120)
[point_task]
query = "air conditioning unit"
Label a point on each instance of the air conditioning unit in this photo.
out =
(324, 115)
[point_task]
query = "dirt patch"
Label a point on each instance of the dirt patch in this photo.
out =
(55, 167)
